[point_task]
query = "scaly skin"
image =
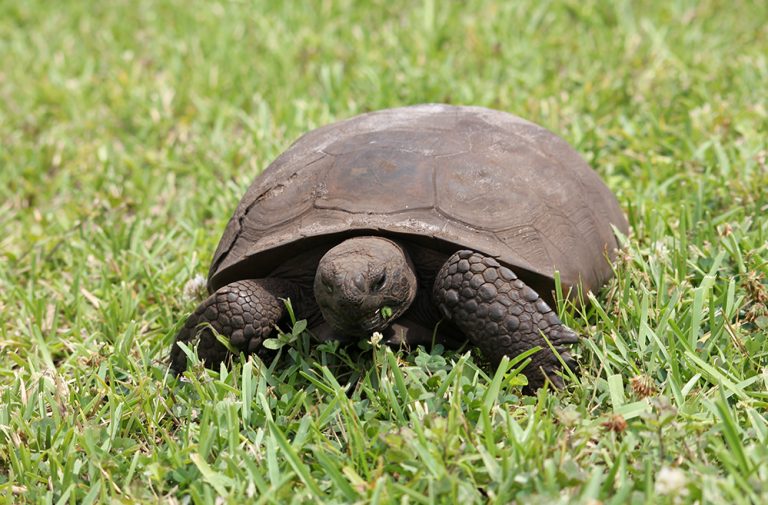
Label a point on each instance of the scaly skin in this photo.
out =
(245, 311)
(485, 301)
(501, 315)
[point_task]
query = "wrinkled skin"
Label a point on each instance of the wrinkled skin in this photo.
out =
(363, 284)
(368, 284)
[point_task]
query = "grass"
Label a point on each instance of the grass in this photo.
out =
(128, 132)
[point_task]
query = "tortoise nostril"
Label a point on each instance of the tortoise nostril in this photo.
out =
(359, 282)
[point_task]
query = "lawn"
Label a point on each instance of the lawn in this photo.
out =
(130, 129)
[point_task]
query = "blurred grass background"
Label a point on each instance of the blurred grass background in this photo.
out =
(129, 131)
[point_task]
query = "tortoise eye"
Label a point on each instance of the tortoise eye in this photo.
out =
(379, 282)
(327, 284)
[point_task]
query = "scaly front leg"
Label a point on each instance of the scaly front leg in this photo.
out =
(501, 315)
(245, 311)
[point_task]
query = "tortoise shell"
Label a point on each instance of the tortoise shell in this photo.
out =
(445, 177)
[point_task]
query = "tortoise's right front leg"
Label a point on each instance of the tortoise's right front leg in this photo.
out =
(245, 311)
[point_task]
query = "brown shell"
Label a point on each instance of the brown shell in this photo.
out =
(442, 175)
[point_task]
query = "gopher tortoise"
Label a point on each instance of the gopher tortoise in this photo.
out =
(394, 220)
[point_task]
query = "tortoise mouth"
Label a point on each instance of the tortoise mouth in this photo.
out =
(360, 326)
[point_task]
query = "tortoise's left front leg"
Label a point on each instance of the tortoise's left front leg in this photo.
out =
(501, 315)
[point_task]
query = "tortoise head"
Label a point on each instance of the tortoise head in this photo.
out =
(364, 284)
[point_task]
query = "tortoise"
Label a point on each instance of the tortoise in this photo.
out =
(395, 220)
